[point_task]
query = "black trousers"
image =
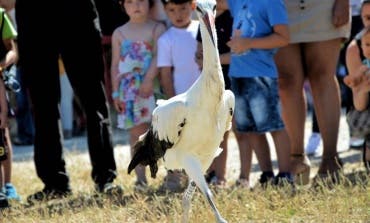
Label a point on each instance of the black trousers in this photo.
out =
(73, 35)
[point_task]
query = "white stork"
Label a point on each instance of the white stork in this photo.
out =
(187, 129)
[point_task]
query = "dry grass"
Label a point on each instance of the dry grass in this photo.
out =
(347, 202)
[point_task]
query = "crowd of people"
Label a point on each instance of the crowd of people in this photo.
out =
(141, 51)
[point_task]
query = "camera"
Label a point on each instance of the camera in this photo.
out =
(10, 81)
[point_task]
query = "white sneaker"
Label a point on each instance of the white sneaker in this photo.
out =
(313, 144)
(356, 142)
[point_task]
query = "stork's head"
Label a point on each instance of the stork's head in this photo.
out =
(206, 11)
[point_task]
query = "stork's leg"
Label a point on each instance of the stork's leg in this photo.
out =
(193, 168)
(186, 201)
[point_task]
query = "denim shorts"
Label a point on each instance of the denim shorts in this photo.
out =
(257, 104)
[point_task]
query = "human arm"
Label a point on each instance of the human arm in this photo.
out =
(341, 13)
(167, 81)
(356, 80)
(116, 41)
(278, 38)
(225, 58)
(11, 56)
(146, 87)
(3, 107)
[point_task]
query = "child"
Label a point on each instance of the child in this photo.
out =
(359, 81)
(178, 69)
(8, 56)
(258, 29)
(133, 71)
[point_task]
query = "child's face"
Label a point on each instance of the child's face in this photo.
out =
(179, 14)
(365, 45)
(136, 9)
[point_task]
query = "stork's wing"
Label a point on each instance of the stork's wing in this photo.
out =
(169, 118)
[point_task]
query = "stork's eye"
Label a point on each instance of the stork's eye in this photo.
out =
(199, 9)
(214, 8)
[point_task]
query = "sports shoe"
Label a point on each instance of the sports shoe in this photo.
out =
(48, 194)
(313, 144)
(356, 142)
(11, 192)
(283, 178)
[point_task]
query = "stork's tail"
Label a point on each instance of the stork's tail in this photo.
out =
(142, 154)
(147, 150)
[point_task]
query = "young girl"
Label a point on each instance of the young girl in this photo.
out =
(359, 81)
(133, 71)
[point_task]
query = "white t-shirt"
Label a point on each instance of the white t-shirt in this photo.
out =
(176, 48)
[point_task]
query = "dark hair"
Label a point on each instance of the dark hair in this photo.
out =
(177, 2)
(151, 3)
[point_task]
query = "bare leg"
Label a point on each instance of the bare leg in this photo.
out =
(220, 161)
(291, 80)
(282, 146)
(135, 132)
(245, 153)
(7, 164)
(261, 148)
(321, 60)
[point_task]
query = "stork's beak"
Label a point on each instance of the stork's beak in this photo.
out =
(209, 20)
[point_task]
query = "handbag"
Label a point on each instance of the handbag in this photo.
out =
(359, 122)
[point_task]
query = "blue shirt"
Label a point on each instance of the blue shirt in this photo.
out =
(256, 18)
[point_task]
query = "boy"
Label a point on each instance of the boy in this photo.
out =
(178, 69)
(258, 29)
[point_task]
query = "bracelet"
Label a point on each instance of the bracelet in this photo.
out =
(115, 94)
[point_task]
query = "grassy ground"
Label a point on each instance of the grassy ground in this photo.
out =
(346, 202)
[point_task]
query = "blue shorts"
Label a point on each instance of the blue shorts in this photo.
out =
(257, 104)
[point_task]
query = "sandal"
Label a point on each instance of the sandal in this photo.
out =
(301, 168)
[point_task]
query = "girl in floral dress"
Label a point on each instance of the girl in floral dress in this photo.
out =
(134, 70)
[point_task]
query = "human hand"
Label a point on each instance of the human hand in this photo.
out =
(359, 81)
(237, 43)
(341, 13)
(146, 88)
(118, 105)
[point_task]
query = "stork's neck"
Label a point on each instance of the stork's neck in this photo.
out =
(212, 73)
